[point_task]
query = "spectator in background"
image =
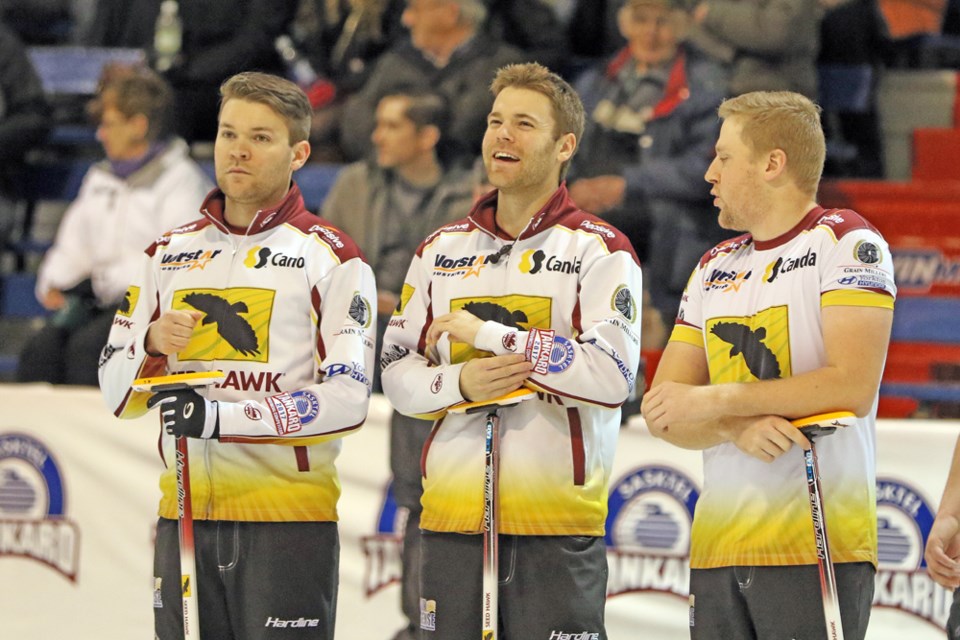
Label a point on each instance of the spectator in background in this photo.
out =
(146, 185)
(39, 22)
(651, 127)
(853, 34)
(447, 53)
(765, 45)
(219, 39)
(532, 26)
(345, 38)
(24, 120)
(388, 205)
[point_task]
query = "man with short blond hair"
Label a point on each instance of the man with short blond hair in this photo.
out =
(789, 320)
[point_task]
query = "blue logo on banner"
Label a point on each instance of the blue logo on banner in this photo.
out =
(32, 506)
(904, 519)
(650, 513)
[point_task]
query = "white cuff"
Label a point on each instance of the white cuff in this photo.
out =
(497, 338)
(210, 421)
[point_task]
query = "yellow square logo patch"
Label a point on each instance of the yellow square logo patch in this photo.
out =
(235, 324)
(520, 312)
(749, 348)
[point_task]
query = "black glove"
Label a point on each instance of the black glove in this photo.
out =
(185, 412)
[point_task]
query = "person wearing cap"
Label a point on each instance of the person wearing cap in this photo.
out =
(651, 125)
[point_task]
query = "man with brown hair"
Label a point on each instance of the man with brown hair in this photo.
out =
(281, 302)
(789, 320)
(483, 298)
(388, 204)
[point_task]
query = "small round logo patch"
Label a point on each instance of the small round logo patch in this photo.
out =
(867, 252)
(624, 303)
(308, 405)
(360, 311)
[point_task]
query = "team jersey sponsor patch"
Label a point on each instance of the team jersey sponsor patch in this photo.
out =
(286, 417)
(308, 405)
(360, 310)
(624, 303)
(252, 412)
(391, 353)
(561, 355)
(539, 348)
(235, 324)
(867, 252)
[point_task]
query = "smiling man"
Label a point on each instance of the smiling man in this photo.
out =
(483, 299)
(280, 301)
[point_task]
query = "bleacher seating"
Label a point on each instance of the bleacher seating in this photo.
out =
(60, 180)
(921, 222)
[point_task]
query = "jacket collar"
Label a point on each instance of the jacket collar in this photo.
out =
(266, 218)
(678, 86)
(484, 212)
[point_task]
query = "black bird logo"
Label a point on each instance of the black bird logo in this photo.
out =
(497, 313)
(125, 304)
(235, 330)
(761, 361)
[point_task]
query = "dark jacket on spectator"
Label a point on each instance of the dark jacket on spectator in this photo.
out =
(464, 81)
(767, 45)
(663, 165)
(24, 112)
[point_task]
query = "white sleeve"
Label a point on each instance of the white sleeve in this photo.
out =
(600, 365)
(70, 259)
(124, 358)
(344, 349)
(414, 385)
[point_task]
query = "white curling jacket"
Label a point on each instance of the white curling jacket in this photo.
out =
(568, 295)
(112, 220)
(288, 318)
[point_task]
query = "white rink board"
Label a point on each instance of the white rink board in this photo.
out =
(108, 470)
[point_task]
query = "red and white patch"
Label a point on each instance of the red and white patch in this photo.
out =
(252, 412)
(538, 348)
(286, 418)
(437, 384)
(509, 341)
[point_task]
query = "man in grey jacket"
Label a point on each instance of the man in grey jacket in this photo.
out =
(448, 53)
(388, 204)
(767, 45)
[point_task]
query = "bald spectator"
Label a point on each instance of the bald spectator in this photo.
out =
(448, 53)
